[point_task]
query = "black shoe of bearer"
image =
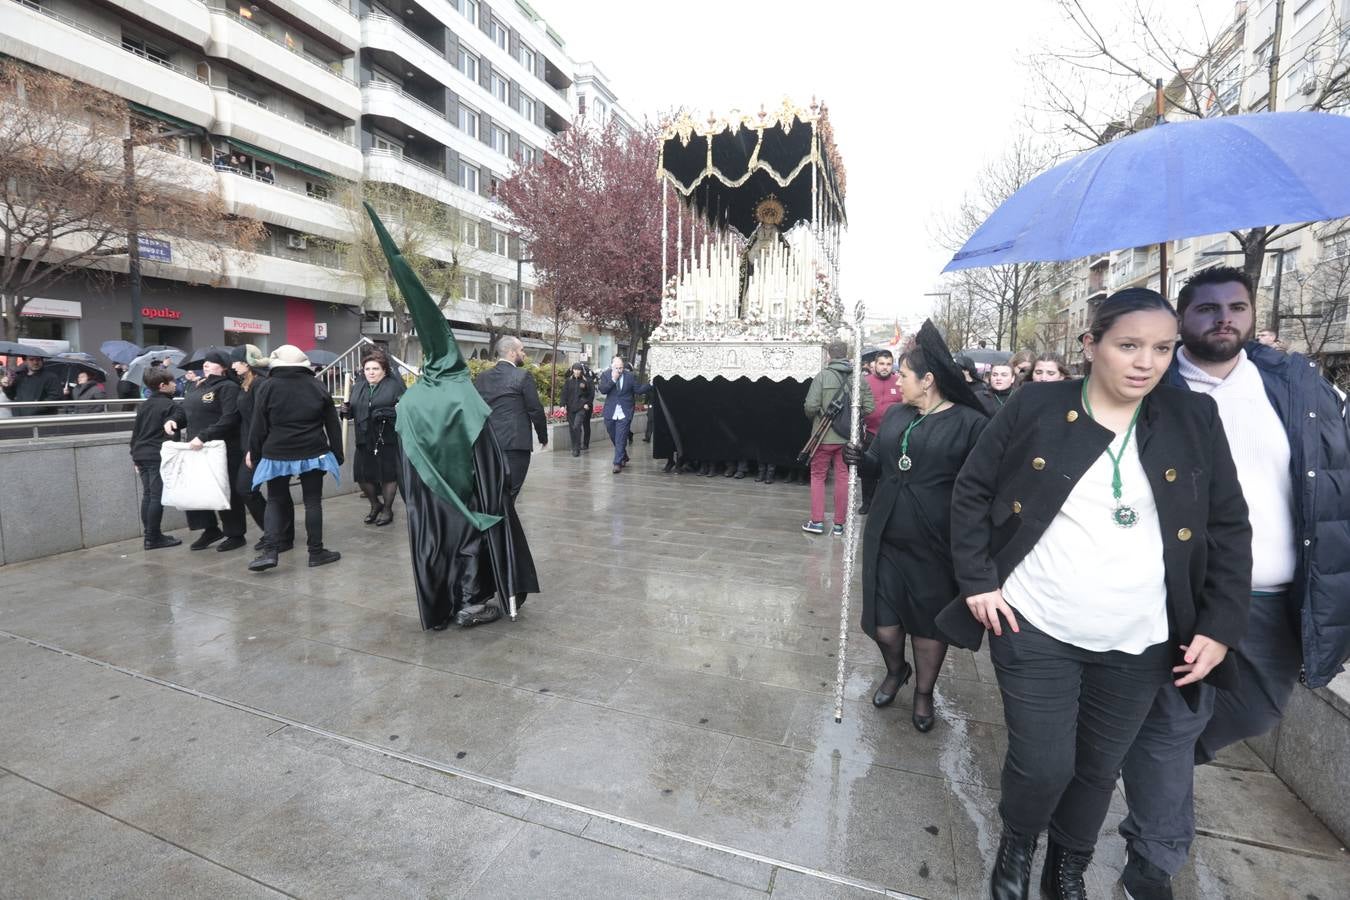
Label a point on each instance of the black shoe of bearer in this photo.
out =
(160, 541)
(207, 538)
(478, 614)
(1142, 880)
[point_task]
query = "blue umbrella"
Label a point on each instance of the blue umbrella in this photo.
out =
(122, 352)
(1175, 180)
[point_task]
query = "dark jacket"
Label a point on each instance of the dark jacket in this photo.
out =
(1033, 453)
(28, 387)
(577, 394)
(90, 390)
(293, 417)
(147, 433)
(621, 397)
(836, 376)
(365, 405)
(985, 394)
(514, 399)
(1319, 463)
(212, 410)
(245, 403)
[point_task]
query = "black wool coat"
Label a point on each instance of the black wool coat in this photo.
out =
(388, 391)
(293, 417)
(1037, 448)
(514, 399)
(212, 410)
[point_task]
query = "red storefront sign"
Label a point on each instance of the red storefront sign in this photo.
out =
(160, 312)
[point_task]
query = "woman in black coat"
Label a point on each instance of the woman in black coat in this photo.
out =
(295, 433)
(577, 396)
(376, 465)
(1099, 532)
(907, 561)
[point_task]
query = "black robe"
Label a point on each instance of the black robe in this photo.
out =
(454, 564)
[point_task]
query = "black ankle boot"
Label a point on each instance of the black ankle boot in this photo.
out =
(1062, 875)
(1012, 868)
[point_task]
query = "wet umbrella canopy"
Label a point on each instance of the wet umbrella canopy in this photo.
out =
(68, 365)
(122, 352)
(10, 348)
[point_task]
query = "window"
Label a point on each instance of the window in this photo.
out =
(471, 288)
(499, 33)
(468, 228)
(527, 106)
(501, 88)
(527, 300)
(527, 154)
(527, 58)
(468, 120)
(501, 243)
(501, 141)
(380, 75)
(501, 294)
(317, 190)
(385, 144)
(468, 9)
(467, 63)
(1304, 13)
(581, 104)
(146, 50)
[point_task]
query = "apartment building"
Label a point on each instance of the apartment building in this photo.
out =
(294, 100)
(1312, 265)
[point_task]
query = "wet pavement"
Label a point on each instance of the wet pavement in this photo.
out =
(658, 723)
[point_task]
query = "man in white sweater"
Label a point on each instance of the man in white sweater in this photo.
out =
(1269, 409)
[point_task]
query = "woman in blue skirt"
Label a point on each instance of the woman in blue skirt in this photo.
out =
(294, 434)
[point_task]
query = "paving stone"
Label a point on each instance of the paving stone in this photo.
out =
(1257, 808)
(187, 877)
(723, 704)
(726, 866)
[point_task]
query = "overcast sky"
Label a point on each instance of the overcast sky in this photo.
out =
(921, 95)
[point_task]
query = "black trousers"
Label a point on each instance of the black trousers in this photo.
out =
(1072, 715)
(231, 521)
(518, 461)
(152, 510)
(586, 431)
(578, 426)
(280, 514)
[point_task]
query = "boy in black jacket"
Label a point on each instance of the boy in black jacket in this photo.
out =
(146, 436)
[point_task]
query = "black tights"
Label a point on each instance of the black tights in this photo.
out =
(928, 658)
(380, 495)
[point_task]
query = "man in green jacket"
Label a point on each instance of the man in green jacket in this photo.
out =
(835, 377)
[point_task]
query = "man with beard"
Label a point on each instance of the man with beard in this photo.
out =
(33, 384)
(879, 374)
(1291, 448)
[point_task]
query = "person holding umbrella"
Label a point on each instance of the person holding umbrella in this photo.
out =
(211, 408)
(31, 384)
(1100, 534)
(920, 446)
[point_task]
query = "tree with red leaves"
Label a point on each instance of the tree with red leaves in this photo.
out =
(590, 211)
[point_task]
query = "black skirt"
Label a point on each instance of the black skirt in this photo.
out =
(377, 456)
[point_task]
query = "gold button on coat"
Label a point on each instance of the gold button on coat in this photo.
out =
(1184, 534)
(1072, 415)
(1038, 464)
(1017, 506)
(1170, 474)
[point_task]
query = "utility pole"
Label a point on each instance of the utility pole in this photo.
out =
(520, 293)
(1274, 64)
(1160, 102)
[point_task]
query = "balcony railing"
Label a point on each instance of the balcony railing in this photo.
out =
(325, 67)
(398, 23)
(115, 41)
(395, 89)
(276, 112)
(303, 192)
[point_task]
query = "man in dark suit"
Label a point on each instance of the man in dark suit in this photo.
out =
(620, 388)
(514, 399)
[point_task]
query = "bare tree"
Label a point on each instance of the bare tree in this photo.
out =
(996, 295)
(66, 195)
(431, 236)
(1100, 85)
(1320, 299)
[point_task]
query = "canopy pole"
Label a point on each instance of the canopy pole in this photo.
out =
(1160, 102)
(679, 237)
(851, 519)
(665, 232)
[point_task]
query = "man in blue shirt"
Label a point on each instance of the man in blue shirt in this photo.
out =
(620, 388)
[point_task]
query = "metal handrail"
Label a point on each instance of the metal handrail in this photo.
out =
(395, 89)
(276, 112)
(115, 41)
(41, 404)
(381, 17)
(283, 187)
(258, 29)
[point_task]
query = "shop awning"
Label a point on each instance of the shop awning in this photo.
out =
(274, 158)
(164, 117)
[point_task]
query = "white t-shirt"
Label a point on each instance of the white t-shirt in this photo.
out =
(1089, 582)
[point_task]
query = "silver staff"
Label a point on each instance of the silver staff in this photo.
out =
(851, 525)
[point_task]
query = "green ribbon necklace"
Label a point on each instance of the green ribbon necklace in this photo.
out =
(905, 462)
(1124, 515)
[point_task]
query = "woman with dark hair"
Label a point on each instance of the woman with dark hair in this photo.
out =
(249, 365)
(295, 433)
(1100, 534)
(577, 396)
(372, 408)
(920, 446)
(1021, 364)
(1049, 367)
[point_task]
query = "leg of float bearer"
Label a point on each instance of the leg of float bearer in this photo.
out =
(851, 523)
(511, 605)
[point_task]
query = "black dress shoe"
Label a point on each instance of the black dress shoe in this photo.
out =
(1012, 868)
(160, 541)
(769, 475)
(373, 515)
(386, 516)
(884, 698)
(441, 626)
(261, 545)
(480, 614)
(1062, 874)
(267, 560)
(323, 557)
(207, 538)
(230, 543)
(576, 452)
(1142, 880)
(923, 724)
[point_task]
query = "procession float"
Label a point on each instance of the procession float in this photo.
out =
(753, 206)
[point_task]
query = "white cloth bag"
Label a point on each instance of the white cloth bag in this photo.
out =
(194, 479)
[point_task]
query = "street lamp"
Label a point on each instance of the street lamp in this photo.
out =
(948, 295)
(129, 145)
(1279, 277)
(520, 293)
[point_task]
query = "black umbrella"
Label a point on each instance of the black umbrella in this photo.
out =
(9, 348)
(121, 352)
(68, 365)
(986, 357)
(321, 357)
(195, 359)
(140, 365)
